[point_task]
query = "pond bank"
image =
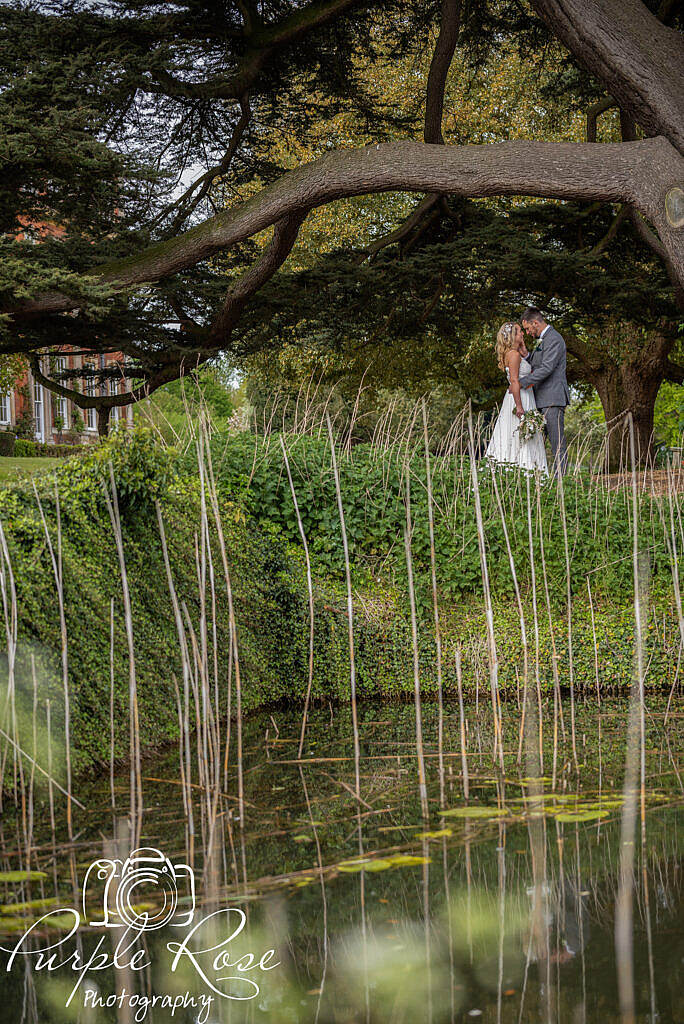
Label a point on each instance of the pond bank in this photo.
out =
(268, 580)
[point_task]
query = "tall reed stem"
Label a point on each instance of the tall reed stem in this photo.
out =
(489, 612)
(422, 785)
(350, 612)
(635, 760)
(134, 752)
(56, 559)
(309, 586)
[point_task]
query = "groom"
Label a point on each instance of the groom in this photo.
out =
(549, 382)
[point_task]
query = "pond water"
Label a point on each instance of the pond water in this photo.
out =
(500, 907)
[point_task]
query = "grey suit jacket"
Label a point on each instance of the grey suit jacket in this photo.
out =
(548, 362)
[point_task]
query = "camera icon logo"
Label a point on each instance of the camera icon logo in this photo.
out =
(143, 892)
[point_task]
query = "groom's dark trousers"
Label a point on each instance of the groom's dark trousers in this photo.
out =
(555, 428)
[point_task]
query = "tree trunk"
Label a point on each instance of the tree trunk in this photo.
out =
(631, 52)
(628, 388)
(103, 420)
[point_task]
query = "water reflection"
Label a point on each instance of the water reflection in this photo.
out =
(500, 908)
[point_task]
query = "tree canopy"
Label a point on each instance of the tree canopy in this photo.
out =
(170, 157)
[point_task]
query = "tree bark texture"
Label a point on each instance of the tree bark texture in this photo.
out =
(639, 173)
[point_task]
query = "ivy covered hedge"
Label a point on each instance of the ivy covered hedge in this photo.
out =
(250, 472)
(271, 603)
(25, 449)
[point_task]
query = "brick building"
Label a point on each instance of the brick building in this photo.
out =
(53, 419)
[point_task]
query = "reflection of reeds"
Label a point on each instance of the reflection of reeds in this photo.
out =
(635, 765)
(422, 787)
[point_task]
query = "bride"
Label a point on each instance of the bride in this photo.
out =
(506, 445)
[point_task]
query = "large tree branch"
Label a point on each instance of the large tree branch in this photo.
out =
(82, 400)
(636, 57)
(629, 134)
(442, 57)
(593, 113)
(274, 255)
(638, 172)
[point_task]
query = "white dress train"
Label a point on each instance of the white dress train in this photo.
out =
(505, 445)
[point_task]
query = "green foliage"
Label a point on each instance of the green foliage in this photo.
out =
(7, 442)
(175, 410)
(26, 449)
(250, 471)
(669, 415)
(12, 369)
(268, 577)
(78, 421)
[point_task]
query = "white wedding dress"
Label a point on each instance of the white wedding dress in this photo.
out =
(505, 445)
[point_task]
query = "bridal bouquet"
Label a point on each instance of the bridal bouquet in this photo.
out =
(531, 423)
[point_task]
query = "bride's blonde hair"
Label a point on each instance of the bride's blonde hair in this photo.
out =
(505, 341)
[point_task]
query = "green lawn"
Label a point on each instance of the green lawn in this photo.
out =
(11, 467)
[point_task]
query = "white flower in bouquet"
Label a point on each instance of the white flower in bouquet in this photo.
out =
(531, 423)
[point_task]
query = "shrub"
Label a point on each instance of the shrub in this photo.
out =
(7, 442)
(36, 449)
(25, 449)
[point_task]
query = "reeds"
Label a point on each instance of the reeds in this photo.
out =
(135, 773)
(422, 785)
(350, 612)
(203, 699)
(309, 588)
(635, 768)
(489, 611)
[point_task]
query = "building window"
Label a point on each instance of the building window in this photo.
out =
(60, 403)
(38, 409)
(114, 390)
(4, 407)
(90, 414)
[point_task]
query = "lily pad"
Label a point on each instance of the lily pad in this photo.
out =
(17, 908)
(22, 876)
(476, 812)
(350, 866)
(62, 922)
(397, 860)
(572, 816)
